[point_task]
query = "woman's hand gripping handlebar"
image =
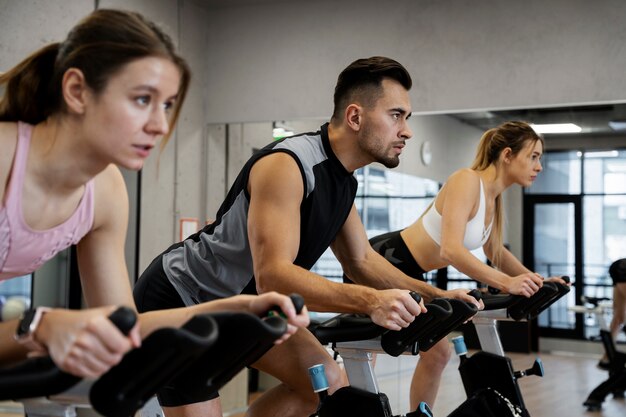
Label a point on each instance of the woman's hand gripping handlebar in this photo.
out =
(291, 308)
(37, 377)
(85, 343)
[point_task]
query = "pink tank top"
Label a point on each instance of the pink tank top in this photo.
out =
(22, 249)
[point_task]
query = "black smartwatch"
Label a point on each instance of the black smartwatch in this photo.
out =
(25, 333)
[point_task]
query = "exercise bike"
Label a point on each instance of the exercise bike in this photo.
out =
(616, 382)
(496, 392)
(220, 345)
(356, 338)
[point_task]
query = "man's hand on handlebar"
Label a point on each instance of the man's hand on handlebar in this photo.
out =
(395, 309)
(85, 342)
(271, 301)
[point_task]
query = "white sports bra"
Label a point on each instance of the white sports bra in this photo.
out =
(475, 233)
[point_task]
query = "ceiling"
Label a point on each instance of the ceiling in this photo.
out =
(593, 119)
(235, 3)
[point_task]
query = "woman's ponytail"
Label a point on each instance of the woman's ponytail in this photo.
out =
(27, 88)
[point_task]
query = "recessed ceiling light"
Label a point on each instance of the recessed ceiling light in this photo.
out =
(556, 128)
(601, 154)
(617, 125)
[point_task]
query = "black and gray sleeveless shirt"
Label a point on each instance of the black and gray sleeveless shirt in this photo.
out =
(216, 261)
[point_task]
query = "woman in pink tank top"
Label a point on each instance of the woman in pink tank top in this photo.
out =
(71, 113)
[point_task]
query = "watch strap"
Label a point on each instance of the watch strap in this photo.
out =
(27, 338)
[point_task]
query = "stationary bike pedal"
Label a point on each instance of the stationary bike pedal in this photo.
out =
(536, 369)
(423, 410)
(593, 405)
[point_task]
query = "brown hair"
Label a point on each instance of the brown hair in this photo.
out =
(362, 79)
(99, 45)
(516, 136)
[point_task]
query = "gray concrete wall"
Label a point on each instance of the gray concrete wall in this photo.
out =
(279, 61)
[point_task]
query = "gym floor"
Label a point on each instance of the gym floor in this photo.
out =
(560, 393)
(569, 379)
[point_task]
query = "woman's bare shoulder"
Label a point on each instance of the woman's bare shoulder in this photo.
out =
(464, 177)
(8, 143)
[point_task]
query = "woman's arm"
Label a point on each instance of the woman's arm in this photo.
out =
(458, 206)
(367, 267)
(508, 263)
(101, 259)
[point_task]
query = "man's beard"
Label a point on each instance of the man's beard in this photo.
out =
(373, 147)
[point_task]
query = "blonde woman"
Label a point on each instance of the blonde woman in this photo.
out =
(466, 215)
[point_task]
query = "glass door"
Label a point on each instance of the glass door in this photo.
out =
(553, 247)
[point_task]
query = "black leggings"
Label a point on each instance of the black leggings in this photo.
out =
(392, 247)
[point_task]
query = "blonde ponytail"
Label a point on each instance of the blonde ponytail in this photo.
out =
(514, 135)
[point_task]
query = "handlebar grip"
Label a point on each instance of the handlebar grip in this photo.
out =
(124, 319)
(416, 297)
(565, 278)
(476, 294)
(298, 302)
(38, 377)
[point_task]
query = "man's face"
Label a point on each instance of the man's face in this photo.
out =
(384, 128)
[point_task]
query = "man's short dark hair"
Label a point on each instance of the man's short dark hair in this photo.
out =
(361, 81)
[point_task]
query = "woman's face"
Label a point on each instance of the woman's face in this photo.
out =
(124, 122)
(526, 165)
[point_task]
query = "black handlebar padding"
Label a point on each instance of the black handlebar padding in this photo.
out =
(416, 297)
(458, 312)
(298, 302)
(39, 377)
(164, 354)
(520, 307)
(530, 308)
(36, 377)
(498, 301)
(346, 328)
(462, 312)
(243, 339)
(124, 319)
(476, 294)
(443, 316)
(395, 343)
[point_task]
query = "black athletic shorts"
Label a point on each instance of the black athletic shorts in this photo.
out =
(154, 291)
(392, 247)
(617, 271)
